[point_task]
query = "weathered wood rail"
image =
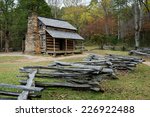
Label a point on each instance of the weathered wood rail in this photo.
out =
(71, 75)
(86, 74)
(141, 52)
(30, 82)
(113, 61)
(27, 88)
(83, 75)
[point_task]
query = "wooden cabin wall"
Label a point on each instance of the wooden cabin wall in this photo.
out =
(60, 44)
(57, 45)
(70, 45)
(49, 43)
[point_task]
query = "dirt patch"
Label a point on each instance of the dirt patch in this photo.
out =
(146, 63)
(30, 58)
(40, 58)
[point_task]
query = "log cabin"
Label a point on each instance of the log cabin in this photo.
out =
(51, 36)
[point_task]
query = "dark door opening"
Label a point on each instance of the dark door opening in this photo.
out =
(62, 44)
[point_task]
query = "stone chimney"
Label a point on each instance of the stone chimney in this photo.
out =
(32, 41)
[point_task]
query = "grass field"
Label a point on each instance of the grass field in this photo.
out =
(131, 85)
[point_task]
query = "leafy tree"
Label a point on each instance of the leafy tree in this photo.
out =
(120, 7)
(146, 4)
(106, 5)
(93, 2)
(21, 12)
(38, 6)
(13, 18)
(100, 40)
(6, 8)
(76, 15)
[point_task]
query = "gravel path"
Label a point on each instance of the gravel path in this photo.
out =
(35, 58)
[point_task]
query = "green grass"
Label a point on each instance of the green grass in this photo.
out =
(104, 52)
(131, 85)
(9, 58)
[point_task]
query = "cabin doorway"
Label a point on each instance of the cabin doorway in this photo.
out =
(62, 44)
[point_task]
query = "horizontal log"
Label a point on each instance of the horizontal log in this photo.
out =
(116, 61)
(50, 42)
(107, 70)
(98, 68)
(138, 53)
(92, 83)
(8, 93)
(28, 69)
(7, 98)
(51, 46)
(127, 58)
(50, 50)
(67, 85)
(21, 87)
(49, 38)
(101, 63)
(42, 76)
(56, 74)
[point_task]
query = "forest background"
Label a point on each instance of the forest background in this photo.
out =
(124, 23)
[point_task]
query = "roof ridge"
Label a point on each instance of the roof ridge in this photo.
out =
(57, 23)
(53, 18)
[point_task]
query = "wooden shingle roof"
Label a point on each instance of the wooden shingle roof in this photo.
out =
(64, 35)
(56, 23)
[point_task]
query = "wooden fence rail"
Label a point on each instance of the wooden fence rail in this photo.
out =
(27, 88)
(83, 75)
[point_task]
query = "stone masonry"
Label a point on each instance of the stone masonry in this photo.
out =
(32, 41)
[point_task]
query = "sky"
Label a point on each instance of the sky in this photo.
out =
(85, 2)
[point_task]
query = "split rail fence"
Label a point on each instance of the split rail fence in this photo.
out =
(83, 75)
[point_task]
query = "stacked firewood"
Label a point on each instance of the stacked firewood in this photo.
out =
(141, 52)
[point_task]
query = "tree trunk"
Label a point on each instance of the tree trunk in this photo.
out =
(137, 23)
(7, 41)
(119, 28)
(6, 45)
(106, 25)
(106, 22)
(122, 29)
(106, 17)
